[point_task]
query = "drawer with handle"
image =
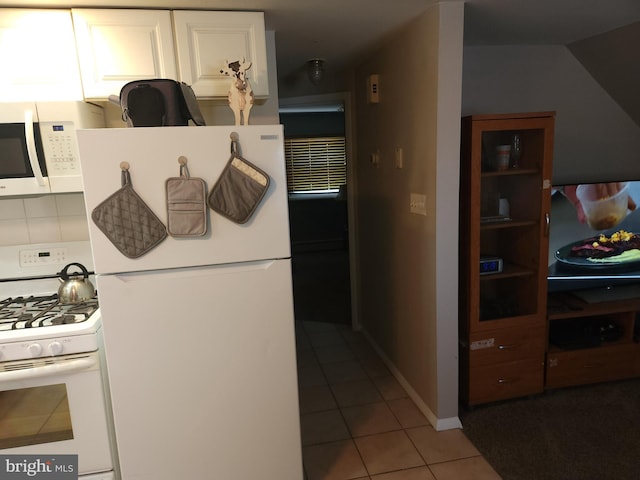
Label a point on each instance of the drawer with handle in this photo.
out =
(498, 382)
(507, 345)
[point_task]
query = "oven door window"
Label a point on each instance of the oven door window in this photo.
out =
(56, 405)
(14, 159)
(34, 415)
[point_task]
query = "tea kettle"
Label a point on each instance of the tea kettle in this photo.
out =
(75, 289)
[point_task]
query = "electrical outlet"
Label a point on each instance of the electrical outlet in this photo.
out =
(418, 204)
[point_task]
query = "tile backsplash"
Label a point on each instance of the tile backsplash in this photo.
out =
(43, 219)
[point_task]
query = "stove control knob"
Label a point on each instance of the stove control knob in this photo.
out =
(55, 348)
(35, 349)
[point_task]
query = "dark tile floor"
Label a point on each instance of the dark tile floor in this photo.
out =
(357, 421)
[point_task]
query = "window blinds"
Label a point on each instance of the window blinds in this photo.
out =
(315, 164)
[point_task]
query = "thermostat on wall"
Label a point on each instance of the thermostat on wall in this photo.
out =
(373, 88)
(490, 264)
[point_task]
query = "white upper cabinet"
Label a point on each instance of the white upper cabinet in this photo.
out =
(118, 46)
(37, 49)
(205, 39)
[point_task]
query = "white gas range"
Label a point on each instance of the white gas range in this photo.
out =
(54, 397)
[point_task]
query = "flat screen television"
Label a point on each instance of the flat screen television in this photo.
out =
(569, 227)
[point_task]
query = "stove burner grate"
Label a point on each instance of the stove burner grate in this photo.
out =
(42, 311)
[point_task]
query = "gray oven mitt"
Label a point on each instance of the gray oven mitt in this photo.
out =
(127, 221)
(239, 189)
(186, 204)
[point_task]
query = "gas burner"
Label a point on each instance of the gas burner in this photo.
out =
(42, 311)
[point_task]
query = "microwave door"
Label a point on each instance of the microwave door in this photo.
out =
(22, 167)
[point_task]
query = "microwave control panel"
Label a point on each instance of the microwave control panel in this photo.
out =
(60, 148)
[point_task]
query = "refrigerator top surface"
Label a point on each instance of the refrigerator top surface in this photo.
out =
(152, 154)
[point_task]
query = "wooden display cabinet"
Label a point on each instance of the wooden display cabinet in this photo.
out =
(503, 314)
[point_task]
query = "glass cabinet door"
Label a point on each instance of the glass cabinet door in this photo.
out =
(510, 223)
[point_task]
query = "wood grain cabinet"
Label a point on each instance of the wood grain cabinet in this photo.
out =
(205, 39)
(38, 53)
(503, 255)
(601, 344)
(116, 46)
(503, 363)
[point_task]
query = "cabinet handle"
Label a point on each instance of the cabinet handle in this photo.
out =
(547, 224)
(503, 381)
(594, 365)
(509, 347)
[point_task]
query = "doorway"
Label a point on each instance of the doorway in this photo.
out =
(319, 220)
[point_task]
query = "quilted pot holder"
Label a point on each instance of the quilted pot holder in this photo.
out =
(127, 221)
(186, 204)
(240, 188)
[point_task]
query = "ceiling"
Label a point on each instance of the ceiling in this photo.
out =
(340, 30)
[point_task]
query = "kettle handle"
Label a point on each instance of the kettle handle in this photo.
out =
(65, 276)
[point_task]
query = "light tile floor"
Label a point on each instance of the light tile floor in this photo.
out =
(358, 422)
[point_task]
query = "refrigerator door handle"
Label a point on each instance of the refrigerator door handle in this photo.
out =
(193, 272)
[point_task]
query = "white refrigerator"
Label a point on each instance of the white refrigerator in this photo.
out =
(199, 331)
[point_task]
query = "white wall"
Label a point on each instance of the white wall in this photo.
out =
(408, 287)
(594, 138)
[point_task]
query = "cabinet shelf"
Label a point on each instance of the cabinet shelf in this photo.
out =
(565, 306)
(509, 270)
(510, 172)
(603, 347)
(506, 224)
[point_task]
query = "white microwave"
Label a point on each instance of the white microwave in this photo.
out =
(38, 148)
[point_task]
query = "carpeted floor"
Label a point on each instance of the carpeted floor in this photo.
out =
(581, 433)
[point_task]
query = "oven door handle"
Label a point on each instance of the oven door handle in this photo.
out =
(67, 366)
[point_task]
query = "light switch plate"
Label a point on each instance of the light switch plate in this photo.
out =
(373, 88)
(399, 157)
(418, 204)
(375, 158)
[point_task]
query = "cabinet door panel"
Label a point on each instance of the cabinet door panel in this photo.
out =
(118, 46)
(577, 367)
(34, 71)
(204, 40)
(510, 297)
